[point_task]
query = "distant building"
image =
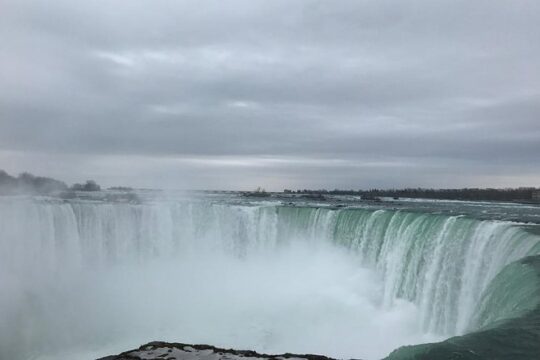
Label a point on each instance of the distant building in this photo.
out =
(536, 195)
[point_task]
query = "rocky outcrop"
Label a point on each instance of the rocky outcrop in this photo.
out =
(177, 351)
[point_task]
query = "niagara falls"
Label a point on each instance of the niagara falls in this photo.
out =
(86, 275)
(269, 180)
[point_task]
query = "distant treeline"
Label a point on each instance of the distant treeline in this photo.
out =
(90, 185)
(27, 183)
(508, 194)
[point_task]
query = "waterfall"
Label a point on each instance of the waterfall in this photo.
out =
(444, 265)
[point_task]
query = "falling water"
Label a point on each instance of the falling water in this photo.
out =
(89, 277)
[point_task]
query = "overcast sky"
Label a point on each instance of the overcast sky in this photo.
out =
(278, 94)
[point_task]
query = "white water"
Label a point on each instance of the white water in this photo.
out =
(85, 279)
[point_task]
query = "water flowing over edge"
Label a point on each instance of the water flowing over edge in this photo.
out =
(466, 276)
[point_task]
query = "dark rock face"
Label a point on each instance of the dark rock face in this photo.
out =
(176, 351)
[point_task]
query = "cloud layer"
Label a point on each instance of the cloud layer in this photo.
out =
(236, 94)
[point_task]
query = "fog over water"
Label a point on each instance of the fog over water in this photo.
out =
(297, 299)
(70, 299)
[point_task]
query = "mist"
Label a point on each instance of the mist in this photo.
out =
(297, 299)
(87, 277)
(110, 286)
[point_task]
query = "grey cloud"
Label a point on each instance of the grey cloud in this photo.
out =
(446, 87)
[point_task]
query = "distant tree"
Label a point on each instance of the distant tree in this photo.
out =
(27, 183)
(8, 183)
(90, 185)
(77, 187)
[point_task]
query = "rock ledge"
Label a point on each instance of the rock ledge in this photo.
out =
(158, 350)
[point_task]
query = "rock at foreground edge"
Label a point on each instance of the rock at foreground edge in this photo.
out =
(175, 351)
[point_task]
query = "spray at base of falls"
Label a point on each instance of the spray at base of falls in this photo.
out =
(78, 267)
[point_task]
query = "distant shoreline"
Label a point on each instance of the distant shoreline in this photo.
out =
(522, 194)
(27, 183)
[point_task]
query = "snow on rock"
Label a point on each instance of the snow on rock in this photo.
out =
(176, 351)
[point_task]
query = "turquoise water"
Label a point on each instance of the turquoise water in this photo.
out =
(469, 274)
